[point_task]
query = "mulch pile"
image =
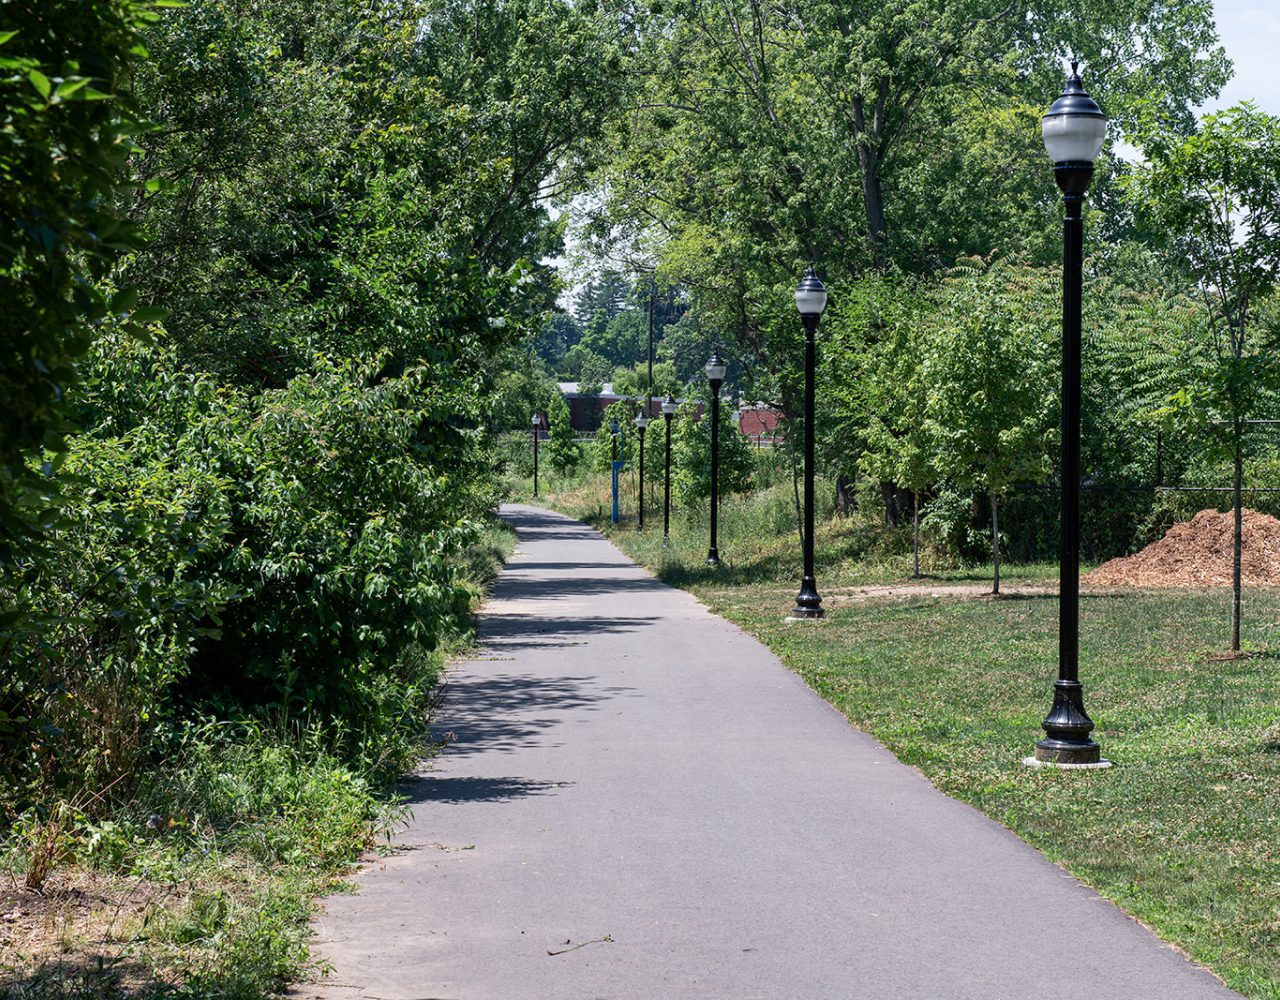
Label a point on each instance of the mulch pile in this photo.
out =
(1197, 553)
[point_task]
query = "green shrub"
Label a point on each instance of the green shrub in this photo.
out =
(351, 528)
(562, 447)
(293, 552)
(602, 446)
(101, 620)
(691, 456)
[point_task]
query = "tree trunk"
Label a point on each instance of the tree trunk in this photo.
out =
(995, 546)
(873, 201)
(915, 536)
(1237, 541)
(846, 495)
(892, 514)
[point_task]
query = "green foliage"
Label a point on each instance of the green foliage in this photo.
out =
(1213, 201)
(871, 405)
(635, 381)
(621, 340)
(691, 456)
(558, 335)
(562, 447)
(265, 510)
(251, 821)
(606, 445)
(991, 378)
(350, 535)
(104, 620)
(1213, 198)
(288, 551)
(896, 134)
(68, 123)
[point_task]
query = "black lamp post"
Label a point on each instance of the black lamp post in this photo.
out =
(811, 300)
(668, 411)
(1073, 129)
(642, 421)
(537, 426)
(715, 370)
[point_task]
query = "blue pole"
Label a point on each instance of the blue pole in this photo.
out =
(616, 466)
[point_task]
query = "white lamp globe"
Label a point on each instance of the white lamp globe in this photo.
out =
(1074, 126)
(669, 405)
(811, 296)
(716, 368)
(642, 421)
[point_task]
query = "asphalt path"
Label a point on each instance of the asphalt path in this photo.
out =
(639, 801)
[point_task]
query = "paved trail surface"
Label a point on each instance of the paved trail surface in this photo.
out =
(642, 803)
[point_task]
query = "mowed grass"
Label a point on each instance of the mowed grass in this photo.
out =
(1183, 832)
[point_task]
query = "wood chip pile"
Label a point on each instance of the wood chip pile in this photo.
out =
(1197, 553)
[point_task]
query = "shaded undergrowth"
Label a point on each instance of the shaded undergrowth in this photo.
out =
(195, 877)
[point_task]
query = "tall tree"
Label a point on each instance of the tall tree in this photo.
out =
(1213, 199)
(990, 370)
(858, 136)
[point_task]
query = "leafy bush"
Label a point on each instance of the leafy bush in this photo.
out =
(101, 620)
(292, 552)
(691, 456)
(602, 446)
(350, 525)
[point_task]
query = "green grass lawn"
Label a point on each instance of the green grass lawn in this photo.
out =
(1184, 830)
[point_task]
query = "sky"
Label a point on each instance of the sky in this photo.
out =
(1250, 32)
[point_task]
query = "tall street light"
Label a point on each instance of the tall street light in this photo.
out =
(537, 426)
(715, 370)
(642, 421)
(811, 300)
(668, 411)
(1073, 129)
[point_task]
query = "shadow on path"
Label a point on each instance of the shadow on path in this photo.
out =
(521, 566)
(513, 588)
(503, 713)
(430, 788)
(504, 634)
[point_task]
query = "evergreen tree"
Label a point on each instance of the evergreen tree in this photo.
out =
(562, 444)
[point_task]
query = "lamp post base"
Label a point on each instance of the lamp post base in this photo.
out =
(1060, 752)
(1100, 765)
(808, 602)
(713, 558)
(1067, 728)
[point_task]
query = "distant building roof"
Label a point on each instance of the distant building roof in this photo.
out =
(572, 389)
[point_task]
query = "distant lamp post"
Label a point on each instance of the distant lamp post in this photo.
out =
(1073, 130)
(642, 422)
(613, 467)
(668, 411)
(537, 426)
(811, 300)
(715, 369)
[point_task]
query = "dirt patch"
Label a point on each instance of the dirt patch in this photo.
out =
(909, 591)
(79, 924)
(1197, 553)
